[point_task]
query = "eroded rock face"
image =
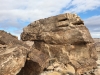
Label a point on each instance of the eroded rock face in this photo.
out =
(35, 63)
(63, 39)
(13, 54)
(97, 43)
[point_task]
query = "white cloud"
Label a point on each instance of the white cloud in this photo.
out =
(93, 23)
(36, 9)
(29, 10)
(95, 34)
(78, 6)
(26, 10)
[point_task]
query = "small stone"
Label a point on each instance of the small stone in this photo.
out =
(50, 68)
(55, 64)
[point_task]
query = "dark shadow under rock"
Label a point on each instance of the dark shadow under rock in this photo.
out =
(30, 68)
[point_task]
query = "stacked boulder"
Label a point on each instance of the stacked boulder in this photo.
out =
(62, 43)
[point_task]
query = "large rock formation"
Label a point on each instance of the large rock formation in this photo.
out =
(62, 43)
(13, 54)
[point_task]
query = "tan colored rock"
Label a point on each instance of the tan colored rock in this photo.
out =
(65, 39)
(56, 64)
(54, 73)
(36, 62)
(51, 73)
(39, 57)
(50, 68)
(70, 69)
(97, 43)
(13, 54)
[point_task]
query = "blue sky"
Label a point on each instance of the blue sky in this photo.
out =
(16, 14)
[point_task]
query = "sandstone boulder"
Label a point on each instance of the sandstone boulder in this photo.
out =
(18, 57)
(35, 63)
(13, 54)
(64, 39)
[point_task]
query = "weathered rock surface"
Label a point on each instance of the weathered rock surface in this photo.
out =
(35, 62)
(13, 54)
(97, 43)
(61, 39)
